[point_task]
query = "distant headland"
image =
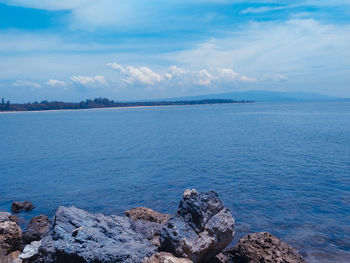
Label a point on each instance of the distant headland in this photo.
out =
(104, 103)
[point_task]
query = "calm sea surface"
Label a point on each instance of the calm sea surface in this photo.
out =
(279, 167)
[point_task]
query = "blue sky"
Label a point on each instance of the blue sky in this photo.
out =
(76, 49)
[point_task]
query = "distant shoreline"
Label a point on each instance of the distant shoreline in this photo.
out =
(129, 105)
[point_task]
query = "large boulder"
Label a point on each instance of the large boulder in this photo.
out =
(17, 207)
(264, 247)
(148, 222)
(77, 236)
(10, 234)
(163, 257)
(37, 228)
(201, 228)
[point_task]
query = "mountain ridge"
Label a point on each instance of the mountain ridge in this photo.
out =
(261, 96)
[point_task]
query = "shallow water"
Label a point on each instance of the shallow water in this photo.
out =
(279, 167)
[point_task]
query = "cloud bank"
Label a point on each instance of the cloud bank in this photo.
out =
(175, 75)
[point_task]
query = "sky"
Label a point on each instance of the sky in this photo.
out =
(72, 50)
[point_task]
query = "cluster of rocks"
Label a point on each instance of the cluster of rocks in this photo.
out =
(198, 232)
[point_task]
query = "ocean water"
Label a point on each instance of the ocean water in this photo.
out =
(279, 167)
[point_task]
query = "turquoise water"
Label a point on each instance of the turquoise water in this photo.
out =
(279, 167)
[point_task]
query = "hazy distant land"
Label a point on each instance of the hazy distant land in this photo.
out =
(105, 103)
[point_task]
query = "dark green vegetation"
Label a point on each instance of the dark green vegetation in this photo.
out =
(103, 103)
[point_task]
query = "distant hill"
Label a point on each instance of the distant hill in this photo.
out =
(261, 95)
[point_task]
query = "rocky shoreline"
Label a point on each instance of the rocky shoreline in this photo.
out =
(200, 231)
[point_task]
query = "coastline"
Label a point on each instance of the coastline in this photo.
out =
(200, 231)
(120, 107)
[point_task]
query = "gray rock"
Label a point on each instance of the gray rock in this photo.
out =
(201, 228)
(17, 207)
(264, 247)
(37, 228)
(148, 222)
(30, 251)
(150, 230)
(77, 236)
(5, 216)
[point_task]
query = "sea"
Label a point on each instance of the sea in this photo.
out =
(281, 167)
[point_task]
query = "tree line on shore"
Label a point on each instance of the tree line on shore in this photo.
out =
(102, 103)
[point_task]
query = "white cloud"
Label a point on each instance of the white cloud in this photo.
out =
(29, 84)
(204, 78)
(227, 73)
(264, 9)
(298, 47)
(89, 81)
(142, 74)
(46, 4)
(175, 71)
(56, 83)
(177, 76)
(116, 66)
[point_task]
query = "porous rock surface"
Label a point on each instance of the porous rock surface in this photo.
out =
(263, 247)
(37, 228)
(17, 207)
(76, 236)
(201, 228)
(10, 234)
(146, 214)
(163, 257)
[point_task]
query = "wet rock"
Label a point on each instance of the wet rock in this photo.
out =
(163, 257)
(146, 214)
(10, 236)
(78, 236)
(264, 247)
(17, 207)
(36, 229)
(148, 222)
(201, 228)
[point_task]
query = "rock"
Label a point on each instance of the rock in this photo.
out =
(146, 214)
(149, 230)
(10, 258)
(17, 207)
(30, 251)
(36, 229)
(201, 228)
(223, 257)
(10, 236)
(81, 237)
(163, 257)
(148, 222)
(5, 216)
(264, 247)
